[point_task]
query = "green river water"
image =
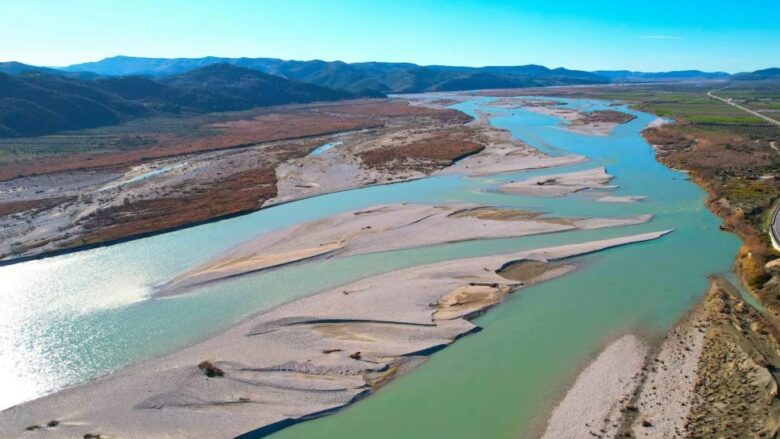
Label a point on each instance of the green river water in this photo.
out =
(70, 318)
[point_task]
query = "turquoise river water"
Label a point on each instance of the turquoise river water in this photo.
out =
(69, 318)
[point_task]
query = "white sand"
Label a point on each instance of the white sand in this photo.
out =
(665, 398)
(629, 385)
(557, 185)
(592, 405)
(622, 199)
(380, 228)
(575, 120)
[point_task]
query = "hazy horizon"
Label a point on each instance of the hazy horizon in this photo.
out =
(374, 60)
(699, 35)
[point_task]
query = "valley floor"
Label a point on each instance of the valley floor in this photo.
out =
(184, 172)
(713, 374)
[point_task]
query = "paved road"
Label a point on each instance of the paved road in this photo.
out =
(774, 228)
(733, 104)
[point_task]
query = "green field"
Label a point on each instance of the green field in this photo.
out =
(687, 102)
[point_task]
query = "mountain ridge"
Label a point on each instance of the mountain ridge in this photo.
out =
(37, 102)
(42, 100)
(355, 77)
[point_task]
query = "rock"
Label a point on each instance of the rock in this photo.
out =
(210, 370)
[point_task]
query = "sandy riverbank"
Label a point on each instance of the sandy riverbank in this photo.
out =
(594, 123)
(622, 199)
(557, 185)
(381, 228)
(592, 405)
(342, 168)
(300, 360)
(713, 375)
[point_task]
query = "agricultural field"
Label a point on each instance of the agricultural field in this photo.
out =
(761, 97)
(689, 102)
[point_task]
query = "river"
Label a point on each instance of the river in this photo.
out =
(69, 318)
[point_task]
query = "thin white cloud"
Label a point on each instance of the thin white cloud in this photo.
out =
(659, 37)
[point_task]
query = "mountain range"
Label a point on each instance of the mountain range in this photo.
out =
(38, 102)
(391, 77)
(42, 100)
(355, 77)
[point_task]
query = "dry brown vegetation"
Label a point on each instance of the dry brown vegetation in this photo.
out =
(435, 150)
(133, 143)
(278, 126)
(612, 116)
(218, 183)
(34, 205)
(212, 137)
(731, 167)
(526, 271)
(240, 192)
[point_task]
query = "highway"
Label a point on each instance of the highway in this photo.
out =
(774, 228)
(733, 104)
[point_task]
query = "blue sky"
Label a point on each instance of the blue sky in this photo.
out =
(586, 34)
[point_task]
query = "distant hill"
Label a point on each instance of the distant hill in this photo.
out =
(372, 77)
(223, 87)
(355, 77)
(16, 68)
(758, 75)
(679, 75)
(36, 103)
(217, 87)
